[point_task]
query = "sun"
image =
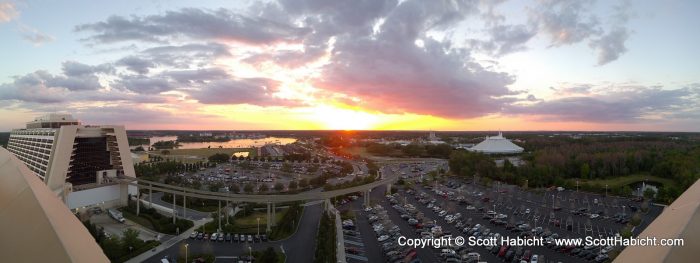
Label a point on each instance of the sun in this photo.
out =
(334, 118)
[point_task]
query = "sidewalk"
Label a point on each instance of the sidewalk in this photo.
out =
(169, 243)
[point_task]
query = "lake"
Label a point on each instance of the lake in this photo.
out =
(235, 143)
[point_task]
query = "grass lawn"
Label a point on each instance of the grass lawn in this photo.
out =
(627, 180)
(139, 220)
(281, 257)
(247, 224)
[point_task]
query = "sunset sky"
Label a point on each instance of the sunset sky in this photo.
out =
(365, 64)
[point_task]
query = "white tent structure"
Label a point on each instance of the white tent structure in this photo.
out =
(496, 145)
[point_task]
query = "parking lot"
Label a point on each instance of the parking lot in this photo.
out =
(464, 208)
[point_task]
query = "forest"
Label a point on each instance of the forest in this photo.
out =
(562, 162)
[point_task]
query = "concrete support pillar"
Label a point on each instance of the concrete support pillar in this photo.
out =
(227, 211)
(150, 195)
(218, 214)
(274, 215)
(269, 218)
(174, 198)
(138, 201)
(123, 194)
(388, 188)
(184, 204)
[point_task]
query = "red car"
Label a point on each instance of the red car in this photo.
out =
(502, 251)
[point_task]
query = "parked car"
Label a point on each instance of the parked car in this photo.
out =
(194, 235)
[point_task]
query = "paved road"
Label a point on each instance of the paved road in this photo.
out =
(299, 248)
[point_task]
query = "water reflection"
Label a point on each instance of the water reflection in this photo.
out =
(235, 143)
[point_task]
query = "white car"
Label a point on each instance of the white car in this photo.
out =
(594, 216)
(527, 211)
(193, 235)
(469, 207)
(534, 259)
(383, 238)
(213, 236)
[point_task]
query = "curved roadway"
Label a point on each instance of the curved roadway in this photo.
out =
(391, 178)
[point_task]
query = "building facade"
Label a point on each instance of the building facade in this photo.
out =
(77, 162)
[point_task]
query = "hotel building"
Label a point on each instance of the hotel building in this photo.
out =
(77, 162)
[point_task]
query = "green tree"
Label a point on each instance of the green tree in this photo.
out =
(219, 158)
(131, 239)
(235, 188)
(279, 187)
(293, 185)
(112, 247)
(649, 193)
(268, 256)
(264, 188)
(303, 183)
(585, 171)
(248, 188)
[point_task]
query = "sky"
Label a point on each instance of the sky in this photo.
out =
(354, 65)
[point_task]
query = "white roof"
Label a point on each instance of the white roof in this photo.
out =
(496, 144)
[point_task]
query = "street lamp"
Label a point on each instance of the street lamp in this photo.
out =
(250, 249)
(186, 245)
(258, 218)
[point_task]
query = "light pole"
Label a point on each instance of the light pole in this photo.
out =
(577, 186)
(623, 211)
(186, 245)
(250, 250)
(258, 218)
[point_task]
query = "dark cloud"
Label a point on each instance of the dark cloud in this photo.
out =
(196, 76)
(33, 87)
(221, 24)
(146, 84)
(610, 46)
(136, 115)
(185, 56)
(253, 91)
(505, 39)
(389, 73)
(42, 86)
(568, 21)
(77, 69)
(136, 64)
(573, 21)
(614, 104)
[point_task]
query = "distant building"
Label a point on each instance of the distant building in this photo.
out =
(496, 145)
(432, 139)
(77, 162)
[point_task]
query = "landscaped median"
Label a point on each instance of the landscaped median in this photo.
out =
(151, 219)
(246, 221)
(325, 241)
